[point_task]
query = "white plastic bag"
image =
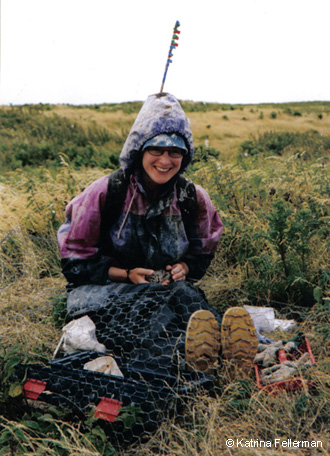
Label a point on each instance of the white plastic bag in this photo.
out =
(79, 335)
(264, 319)
(105, 364)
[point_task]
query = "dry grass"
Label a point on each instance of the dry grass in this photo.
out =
(212, 422)
(116, 122)
(226, 134)
(225, 130)
(26, 315)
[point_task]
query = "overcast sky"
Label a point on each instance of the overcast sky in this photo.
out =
(104, 51)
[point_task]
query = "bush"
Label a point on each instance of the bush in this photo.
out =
(307, 145)
(290, 237)
(276, 231)
(203, 154)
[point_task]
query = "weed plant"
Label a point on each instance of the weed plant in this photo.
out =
(273, 195)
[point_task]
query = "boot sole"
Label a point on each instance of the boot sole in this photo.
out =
(238, 339)
(202, 345)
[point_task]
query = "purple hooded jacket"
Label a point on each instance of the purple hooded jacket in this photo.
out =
(146, 233)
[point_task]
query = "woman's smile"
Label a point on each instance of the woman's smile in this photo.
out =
(162, 170)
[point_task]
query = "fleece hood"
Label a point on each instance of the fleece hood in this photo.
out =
(161, 113)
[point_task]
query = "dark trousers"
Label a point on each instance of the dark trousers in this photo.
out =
(141, 322)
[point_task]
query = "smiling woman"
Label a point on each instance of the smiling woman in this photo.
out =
(162, 222)
(145, 218)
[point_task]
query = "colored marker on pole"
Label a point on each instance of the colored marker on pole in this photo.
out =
(173, 46)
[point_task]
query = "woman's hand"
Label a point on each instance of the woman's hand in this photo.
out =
(178, 271)
(136, 275)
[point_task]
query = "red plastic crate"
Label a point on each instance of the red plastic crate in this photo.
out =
(33, 388)
(108, 409)
(291, 384)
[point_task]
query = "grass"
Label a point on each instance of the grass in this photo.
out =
(227, 135)
(269, 179)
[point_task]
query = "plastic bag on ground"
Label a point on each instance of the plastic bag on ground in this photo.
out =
(265, 321)
(105, 364)
(79, 335)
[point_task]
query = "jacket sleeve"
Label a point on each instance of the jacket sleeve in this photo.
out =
(79, 236)
(204, 234)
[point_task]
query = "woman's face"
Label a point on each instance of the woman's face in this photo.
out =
(161, 168)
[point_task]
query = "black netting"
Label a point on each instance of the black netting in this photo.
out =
(146, 394)
(145, 321)
(131, 356)
(142, 329)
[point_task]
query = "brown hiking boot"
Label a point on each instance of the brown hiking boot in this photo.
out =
(202, 342)
(238, 339)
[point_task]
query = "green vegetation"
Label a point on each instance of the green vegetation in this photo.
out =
(31, 137)
(271, 186)
(275, 207)
(307, 145)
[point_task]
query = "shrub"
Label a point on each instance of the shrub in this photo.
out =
(203, 154)
(306, 145)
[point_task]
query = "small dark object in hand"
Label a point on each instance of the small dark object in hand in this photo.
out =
(159, 276)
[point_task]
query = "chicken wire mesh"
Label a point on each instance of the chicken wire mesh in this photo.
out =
(123, 357)
(145, 321)
(122, 354)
